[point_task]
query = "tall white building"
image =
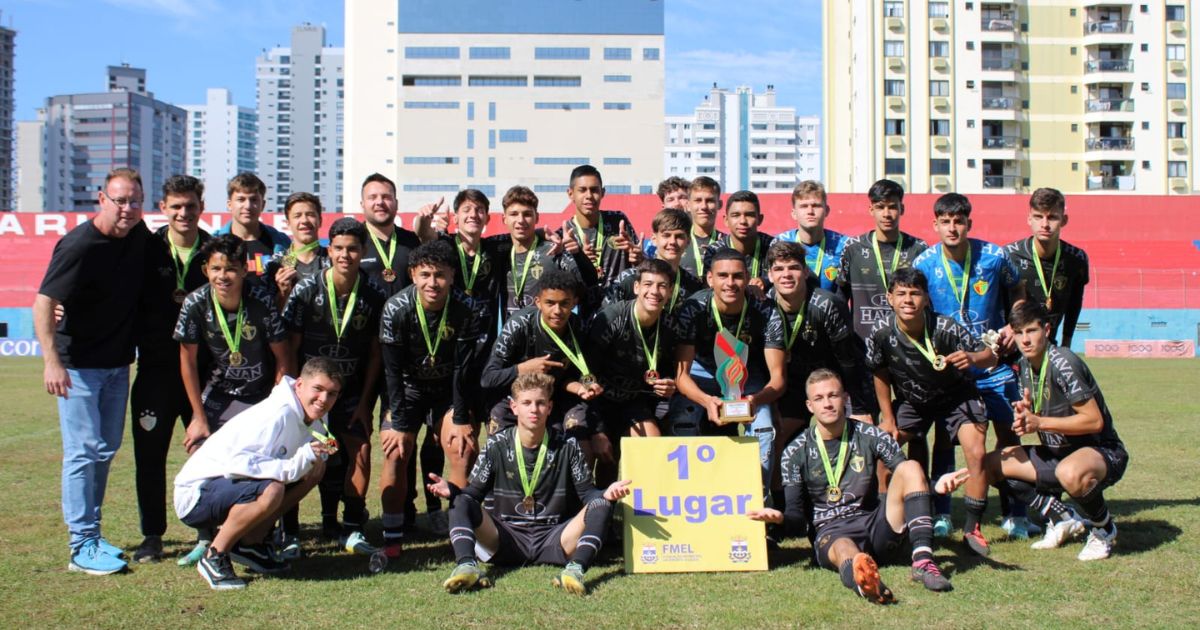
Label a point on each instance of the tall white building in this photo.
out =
(475, 93)
(744, 140)
(300, 119)
(221, 141)
(30, 176)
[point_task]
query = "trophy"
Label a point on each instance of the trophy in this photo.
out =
(731, 354)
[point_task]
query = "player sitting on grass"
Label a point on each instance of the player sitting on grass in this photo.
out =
(259, 465)
(529, 520)
(829, 481)
(1079, 452)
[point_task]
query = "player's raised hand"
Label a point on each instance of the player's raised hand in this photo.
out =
(439, 487)
(766, 515)
(570, 245)
(441, 220)
(556, 243)
(618, 490)
(949, 482)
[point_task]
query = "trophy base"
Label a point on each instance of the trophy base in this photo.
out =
(734, 411)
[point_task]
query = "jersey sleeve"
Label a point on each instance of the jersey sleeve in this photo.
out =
(501, 368)
(843, 273)
(190, 325)
(772, 328)
(961, 338)
(483, 474)
(464, 358)
(1009, 275)
(66, 264)
(271, 321)
(295, 310)
(886, 448)
(581, 473)
(876, 357)
(686, 322)
(1069, 379)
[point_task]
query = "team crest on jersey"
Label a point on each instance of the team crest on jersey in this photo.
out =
(535, 271)
(830, 273)
(980, 287)
(447, 332)
(739, 550)
(359, 321)
(857, 463)
(249, 332)
(612, 240)
(1059, 282)
(649, 554)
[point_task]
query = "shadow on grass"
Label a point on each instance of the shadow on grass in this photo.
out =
(1128, 507)
(1142, 535)
(962, 563)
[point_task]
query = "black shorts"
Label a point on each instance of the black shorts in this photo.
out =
(218, 495)
(619, 415)
(870, 532)
(339, 421)
(1045, 461)
(523, 544)
(792, 405)
(220, 408)
(416, 407)
(917, 419)
(574, 420)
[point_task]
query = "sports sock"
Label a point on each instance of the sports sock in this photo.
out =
(331, 486)
(1093, 507)
(393, 528)
(291, 522)
(465, 516)
(846, 571)
(1049, 507)
(920, 525)
(975, 508)
(595, 521)
(205, 534)
(943, 462)
(433, 459)
(354, 513)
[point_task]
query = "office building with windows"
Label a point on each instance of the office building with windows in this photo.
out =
(221, 142)
(299, 96)
(745, 141)
(443, 96)
(992, 96)
(7, 104)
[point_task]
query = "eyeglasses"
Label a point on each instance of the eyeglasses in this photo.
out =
(127, 202)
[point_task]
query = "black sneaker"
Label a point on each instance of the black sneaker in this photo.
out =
(258, 558)
(217, 570)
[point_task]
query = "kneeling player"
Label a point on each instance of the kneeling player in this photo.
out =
(1080, 451)
(839, 495)
(527, 522)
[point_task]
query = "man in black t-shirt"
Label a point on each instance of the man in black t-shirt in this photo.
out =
(925, 360)
(1079, 451)
(385, 258)
(545, 512)
(95, 275)
(246, 202)
(831, 486)
(743, 215)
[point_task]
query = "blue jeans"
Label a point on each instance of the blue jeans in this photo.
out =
(92, 419)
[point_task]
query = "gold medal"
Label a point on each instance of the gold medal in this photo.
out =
(430, 361)
(288, 261)
(833, 494)
(236, 359)
(529, 504)
(588, 380)
(651, 377)
(389, 275)
(180, 295)
(939, 363)
(1049, 303)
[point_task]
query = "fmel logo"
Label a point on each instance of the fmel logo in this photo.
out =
(739, 550)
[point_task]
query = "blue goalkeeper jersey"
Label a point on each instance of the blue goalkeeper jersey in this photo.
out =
(831, 261)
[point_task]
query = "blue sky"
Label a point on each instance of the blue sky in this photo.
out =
(187, 46)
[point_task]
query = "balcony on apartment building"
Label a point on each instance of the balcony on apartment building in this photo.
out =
(1104, 143)
(991, 182)
(1108, 65)
(1109, 104)
(1105, 26)
(1111, 182)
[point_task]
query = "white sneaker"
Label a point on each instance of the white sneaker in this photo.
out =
(357, 543)
(1099, 544)
(1060, 532)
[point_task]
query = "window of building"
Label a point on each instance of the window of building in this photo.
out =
(497, 81)
(893, 87)
(650, 54)
(1176, 169)
(490, 52)
(939, 127)
(893, 48)
(470, 138)
(550, 188)
(939, 49)
(893, 9)
(514, 135)
(431, 188)
(491, 167)
(939, 166)
(561, 53)
(939, 9)
(618, 54)
(470, 111)
(491, 138)
(430, 80)
(430, 160)
(618, 189)
(431, 52)
(939, 88)
(893, 166)
(893, 127)
(617, 161)
(492, 111)
(618, 106)
(1176, 52)
(560, 161)
(1176, 90)
(557, 81)
(1176, 130)
(617, 78)
(562, 106)
(1176, 13)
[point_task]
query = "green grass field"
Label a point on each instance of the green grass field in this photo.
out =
(1151, 581)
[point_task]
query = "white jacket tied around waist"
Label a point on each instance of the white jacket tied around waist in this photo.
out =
(267, 441)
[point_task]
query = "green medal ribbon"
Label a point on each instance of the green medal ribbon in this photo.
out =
(339, 324)
(820, 257)
(651, 357)
(576, 356)
(697, 255)
(754, 261)
(519, 283)
(1037, 264)
(391, 254)
(717, 316)
(181, 273)
(1037, 395)
(468, 276)
(879, 257)
(834, 477)
(791, 339)
(961, 295)
(599, 237)
(926, 350)
(527, 484)
(230, 341)
(431, 346)
(294, 253)
(675, 291)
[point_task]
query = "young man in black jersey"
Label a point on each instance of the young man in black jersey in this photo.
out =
(925, 360)
(236, 326)
(1079, 451)
(547, 338)
(428, 337)
(704, 202)
(869, 260)
(305, 257)
(545, 512)
(743, 215)
(831, 485)
(726, 306)
(335, 314)
(639, 373)
(670, 229)
(385, 259)
(604, 236)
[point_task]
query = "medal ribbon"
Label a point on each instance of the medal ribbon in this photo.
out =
(1041, 384)
(599, 246)
(820, 257)
(926, 350)
(181, 274)
(294, 253)
(651, 357)
(528, 484)
(468, 277)
(789, 340)
(961, 296)
(339, 326)
(834, 476)
(696, 254)
(576, 356)
(879, 257)
(391, 254)
(230, 341)
(717, 316)
(519, 284)
(754, 261)
(1037, 264)
(431, 346)
(675, 291)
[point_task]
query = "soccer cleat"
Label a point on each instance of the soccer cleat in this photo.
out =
(258, 558)
(290, 549)
(92, 560)
(942, 526)
(1099, 543)
(194, 556)
(111, 549)
(217, 570)
(1032, 527)
(1060, 532)
(465, 576)
(150, 550)
(930, 576)
(356, 543)
(977, 542)
(866, 578)
(1015, 527)
(571, 579)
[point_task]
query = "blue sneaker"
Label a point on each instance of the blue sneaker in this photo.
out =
(111, 549)
(192, 557)
(942, 526)
(91, 560)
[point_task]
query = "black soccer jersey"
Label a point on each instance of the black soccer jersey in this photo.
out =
(159, 310)
(698, 244)
(255, 376)
(407, 363)
(1066, 285)
(562, 489)
(696, 327)
(859, 276)
(612, 260)
(622, 289)
(523, 338)
(756, 258)
(521, 270)
(308, 313)
(801, 468)
(913, 376)
(1068, 383)
(303, 269)
(373, 262)
(623, 368)
(488, 274)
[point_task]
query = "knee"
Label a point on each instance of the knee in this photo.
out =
(909, 470)
(974, 454)
(273, 493)
(1074, 480)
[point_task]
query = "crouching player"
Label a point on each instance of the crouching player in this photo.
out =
(1080, 451)
(830, 484)
(259, 465)
(529, 520)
